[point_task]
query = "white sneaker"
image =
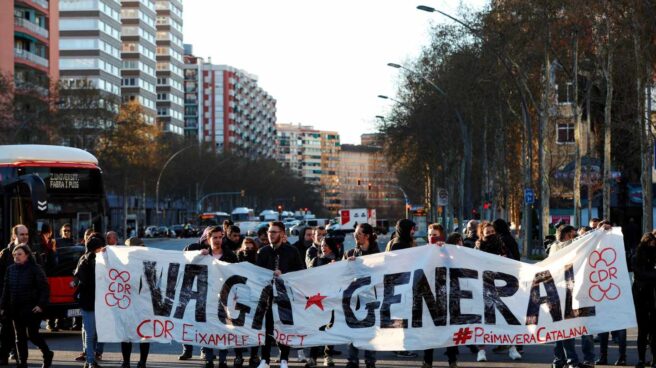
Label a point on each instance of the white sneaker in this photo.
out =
(481, 356)
(263, 364)
(301, 356)
(514, 354)
(283, 364)
(328, 362)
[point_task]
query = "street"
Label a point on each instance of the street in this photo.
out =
(67, 345)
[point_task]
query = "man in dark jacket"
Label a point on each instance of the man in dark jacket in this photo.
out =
(280, 257)
(470, 234)
(85, 279)
(304, 241)
(19, 235)
(233, 239)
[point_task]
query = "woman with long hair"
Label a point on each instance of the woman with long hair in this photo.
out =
(25, 295)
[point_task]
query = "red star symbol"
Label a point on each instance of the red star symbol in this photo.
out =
(316, 300)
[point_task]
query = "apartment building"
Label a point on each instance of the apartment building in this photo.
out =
(365, 179)
(313, 155)
(170, 63)
(29, 38)
(193, 94)
(138, 55)
(237, 115)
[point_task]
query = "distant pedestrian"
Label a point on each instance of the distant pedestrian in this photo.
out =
(471, 234)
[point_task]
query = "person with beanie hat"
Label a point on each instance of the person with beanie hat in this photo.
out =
(85, 280)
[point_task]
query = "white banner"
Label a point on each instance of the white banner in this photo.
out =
(414, 299)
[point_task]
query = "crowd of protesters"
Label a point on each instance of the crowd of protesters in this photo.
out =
(25, 292)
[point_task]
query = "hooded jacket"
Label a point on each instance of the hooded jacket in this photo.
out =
(503, 232)
(25, 287)
(402, 238)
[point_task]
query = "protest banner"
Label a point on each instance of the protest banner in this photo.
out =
(414, 299)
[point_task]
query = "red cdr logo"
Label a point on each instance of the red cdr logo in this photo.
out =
(119, 290)
(602, 275)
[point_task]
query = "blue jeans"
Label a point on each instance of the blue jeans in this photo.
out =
(369, 355)
(621, 340)
(89, 334)
(209, 355)
(565, 352)
(587, 345)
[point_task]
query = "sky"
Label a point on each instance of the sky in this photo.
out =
(325, 62)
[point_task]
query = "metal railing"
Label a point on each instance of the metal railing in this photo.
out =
(31, 57)
(32, 26)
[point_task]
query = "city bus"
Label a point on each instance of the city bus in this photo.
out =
(52, 185)
(212, 219)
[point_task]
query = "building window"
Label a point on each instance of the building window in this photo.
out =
(565, 133)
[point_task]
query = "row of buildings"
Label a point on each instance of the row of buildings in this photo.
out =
(348, 175)
(133, 50)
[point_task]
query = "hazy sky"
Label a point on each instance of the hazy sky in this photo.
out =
(323, 61)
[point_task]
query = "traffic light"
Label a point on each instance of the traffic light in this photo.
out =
(359, 182)
(486, 205)
(243, 193)
(369, 186)
(280, 208)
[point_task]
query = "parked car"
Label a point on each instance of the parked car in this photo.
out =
(151, 232)
(178, 231)
(165, 232)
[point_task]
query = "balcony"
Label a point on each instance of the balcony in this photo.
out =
(22, 22)
(31, 57)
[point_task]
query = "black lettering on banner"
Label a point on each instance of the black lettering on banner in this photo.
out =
(161, 305)
(552, 300)
(389, 298)
(262, 305)
(421, 292)
(492, 296)
(455, 294)
(351, 320)
(223, 302)
(569, 311)
(282, 300)
(193, 272)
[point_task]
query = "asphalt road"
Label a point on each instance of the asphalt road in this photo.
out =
(67, 345)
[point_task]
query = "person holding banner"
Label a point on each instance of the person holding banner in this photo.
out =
(490, 242)
(436, 237)
(365, 244)
(126, 347)
(247, 253)
(565, 350)
(85, 280)
(329, 249)
(279, 257)
(644, 295)
(222, 253)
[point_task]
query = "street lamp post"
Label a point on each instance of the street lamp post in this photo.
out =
(159, 178)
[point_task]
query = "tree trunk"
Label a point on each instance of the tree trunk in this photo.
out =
(577, 138)
(528, 158)
(608, 180)
(125, 207)
(588, 124)
(484, 176)
(544, 151)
